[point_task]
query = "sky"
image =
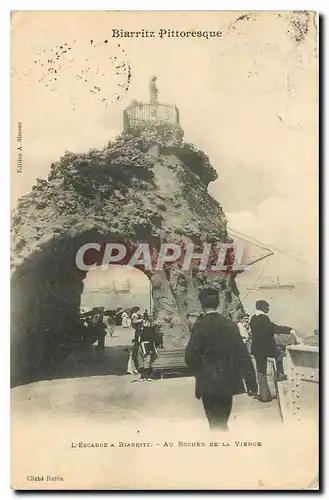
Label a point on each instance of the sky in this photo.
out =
(248, 99)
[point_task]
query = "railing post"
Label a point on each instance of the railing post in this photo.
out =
(145, 112)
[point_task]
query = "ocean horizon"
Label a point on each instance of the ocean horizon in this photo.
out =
(297, 308)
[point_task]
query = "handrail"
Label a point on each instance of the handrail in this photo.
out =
(141, 112)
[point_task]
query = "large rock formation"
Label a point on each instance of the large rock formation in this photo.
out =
(149, 186)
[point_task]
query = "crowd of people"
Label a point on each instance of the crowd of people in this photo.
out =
(98, 323)
(267, 337)
(218, 352)
(219, 355)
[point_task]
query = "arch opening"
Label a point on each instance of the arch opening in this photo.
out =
(116, 288)
(46, 293)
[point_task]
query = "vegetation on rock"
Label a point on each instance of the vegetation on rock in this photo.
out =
(196, 160)
(94, 183)
(165, 135)
(121, 193)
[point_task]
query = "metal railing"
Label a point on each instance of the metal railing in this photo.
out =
(144, 112)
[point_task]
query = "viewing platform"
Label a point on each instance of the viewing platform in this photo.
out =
(152, 111)
(140, 112)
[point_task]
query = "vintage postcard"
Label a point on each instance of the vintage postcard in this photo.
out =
(164, 252)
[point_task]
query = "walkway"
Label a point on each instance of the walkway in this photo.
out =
(92, 385)
(95, 401)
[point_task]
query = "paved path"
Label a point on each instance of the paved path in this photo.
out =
(95, 401)
(92, 385)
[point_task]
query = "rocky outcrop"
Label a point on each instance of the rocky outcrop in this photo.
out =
(147, 185)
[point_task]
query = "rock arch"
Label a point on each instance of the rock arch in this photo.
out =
(147, 185)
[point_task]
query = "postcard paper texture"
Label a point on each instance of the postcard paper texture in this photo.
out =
(164, 293)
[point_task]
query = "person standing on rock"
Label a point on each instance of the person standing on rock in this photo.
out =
(153, 91)
(219, 359)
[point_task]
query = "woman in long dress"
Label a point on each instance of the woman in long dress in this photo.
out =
(125, 319)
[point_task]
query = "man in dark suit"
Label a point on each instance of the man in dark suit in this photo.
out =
(262, 346)
(268, 340)
(220, 361)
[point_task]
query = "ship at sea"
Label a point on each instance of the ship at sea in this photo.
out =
(274, 285)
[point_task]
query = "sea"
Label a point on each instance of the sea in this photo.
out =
(110, 300)
(297, 308)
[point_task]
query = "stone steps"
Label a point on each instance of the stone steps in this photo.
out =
(170, 362)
